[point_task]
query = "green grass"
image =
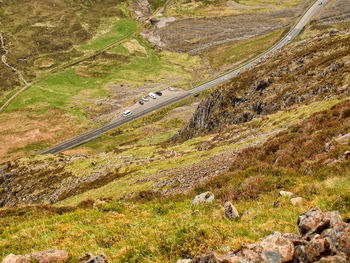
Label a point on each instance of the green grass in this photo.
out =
(243, 50)
(131, 141)
(57, 91)
(121, 28)
(166, 230)
(157, 3)
(60, 89)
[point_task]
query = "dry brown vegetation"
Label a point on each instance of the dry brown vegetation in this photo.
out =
(308, 149)
(320, 68)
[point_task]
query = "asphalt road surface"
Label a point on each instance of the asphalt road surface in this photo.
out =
(174, 96)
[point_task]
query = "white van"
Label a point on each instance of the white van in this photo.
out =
(127, 113)
(152, 95)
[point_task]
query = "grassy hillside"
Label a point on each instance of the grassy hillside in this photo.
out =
(133, 200)
(151, 229)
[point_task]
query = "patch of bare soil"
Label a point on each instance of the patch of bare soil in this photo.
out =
(141, 8)
(35, 129)
(196, 35)
(338, 11)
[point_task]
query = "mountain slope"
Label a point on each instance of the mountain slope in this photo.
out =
(319, 69)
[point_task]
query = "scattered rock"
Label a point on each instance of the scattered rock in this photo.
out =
(286, 193)
(50, 256)
(333, 217)
(98, 259)
(277, 243)
(230, 211)
(184, 261)
(11, 258)
(206, 258)
(322, 238)
(296, 201)
(343, 139)
(206, 197)
(311, 221)
(334, 32)
(333, 259)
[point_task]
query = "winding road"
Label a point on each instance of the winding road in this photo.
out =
(4, 60)
(178, 96)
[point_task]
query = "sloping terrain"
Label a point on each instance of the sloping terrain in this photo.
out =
(86, 63)
(133, 201)
(314, 74)
(317, 77)
(335, 12)
(41, 34)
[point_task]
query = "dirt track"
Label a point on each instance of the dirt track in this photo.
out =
(4, 60)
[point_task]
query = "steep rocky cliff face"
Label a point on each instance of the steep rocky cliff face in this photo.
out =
(314, 69)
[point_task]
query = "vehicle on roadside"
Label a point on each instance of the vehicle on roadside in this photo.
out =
(144, 98)
(171, 88)
(127, 113)
(141, 102)
(320, 3)
(289, 38)
(159, 93)
(152, 95)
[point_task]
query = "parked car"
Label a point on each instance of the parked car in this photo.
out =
(289, 38)
(171, 88)
(320, 3)
(141, 102)
(144, 98)
(127, 113)
(159, 93)
(152, 95)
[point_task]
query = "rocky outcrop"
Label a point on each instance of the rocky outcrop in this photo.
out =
(50, 256)
(230, 211)
(293, 76)
(141, 8)
(47, 256)
(53, 256)
(322, 237)
(49, 180)
(206, 197)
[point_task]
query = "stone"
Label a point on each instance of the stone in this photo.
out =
(184, 260)
(343, 139)
(210, 257)
(286, 193)
(102, 258)
(231, 211)
(11, 258)
(334, 218)
(315, 248)
(296, 201)
(277, 243)
(50, 256)
(333, 259)
(272, 257)
(311, 221)
(340, 237)
(249, 255)
(206, 197)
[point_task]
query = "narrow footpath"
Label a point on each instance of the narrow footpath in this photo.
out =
(4, 60)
